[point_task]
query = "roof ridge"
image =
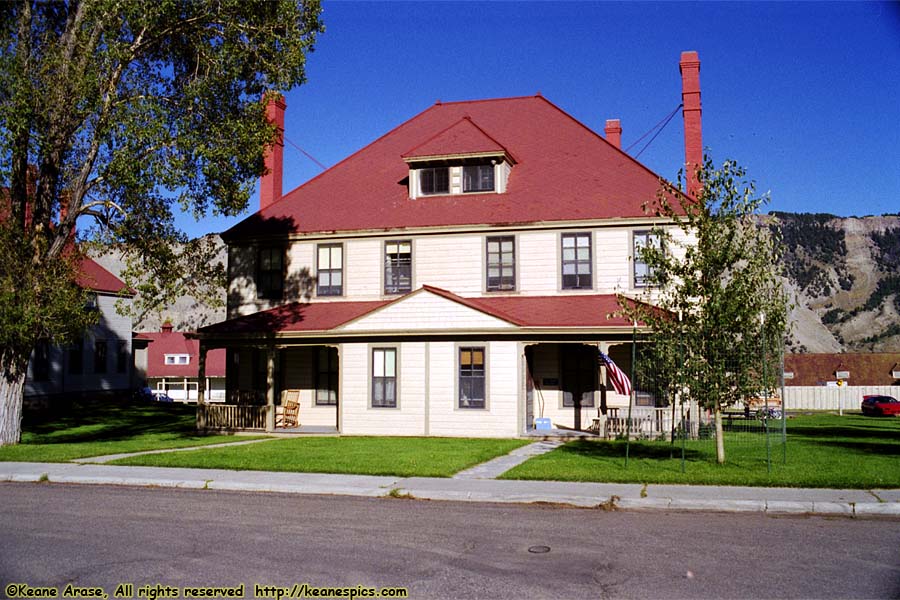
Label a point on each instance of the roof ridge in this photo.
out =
(478, 100)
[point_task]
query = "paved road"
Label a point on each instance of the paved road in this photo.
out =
(96, 535)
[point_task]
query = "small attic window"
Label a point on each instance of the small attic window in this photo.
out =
(478, 178)
(842, 374)
(788, 374)
(434, 181)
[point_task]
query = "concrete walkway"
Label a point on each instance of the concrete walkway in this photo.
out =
(607, 496)
(111, 457)
(498, 466)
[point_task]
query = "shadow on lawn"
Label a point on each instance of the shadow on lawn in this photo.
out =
(109, 420)
(616, 449)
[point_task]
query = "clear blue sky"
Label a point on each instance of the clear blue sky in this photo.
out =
(805, 95)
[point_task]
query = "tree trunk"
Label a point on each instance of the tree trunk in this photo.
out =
(12, 386)
(720, 439)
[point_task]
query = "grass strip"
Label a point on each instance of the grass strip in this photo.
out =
(823, 451)
(396, 456)
(97, 428)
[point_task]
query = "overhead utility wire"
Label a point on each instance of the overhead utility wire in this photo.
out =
(306, 154)
(658, 128)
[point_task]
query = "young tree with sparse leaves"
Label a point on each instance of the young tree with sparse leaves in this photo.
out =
(724, 311)
(122, 111)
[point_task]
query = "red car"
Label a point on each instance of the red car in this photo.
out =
(880, 406)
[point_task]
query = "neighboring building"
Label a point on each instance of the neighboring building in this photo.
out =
(838, 381)
(101, 360)
(463, 272)
(842, 369)
(172, 364)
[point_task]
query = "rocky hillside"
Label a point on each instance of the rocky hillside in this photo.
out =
(843, 275)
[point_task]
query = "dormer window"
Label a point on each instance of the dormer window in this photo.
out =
(478, 178)
(434, 181)
(178, 359)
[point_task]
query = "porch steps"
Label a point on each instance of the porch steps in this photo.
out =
(498, 466)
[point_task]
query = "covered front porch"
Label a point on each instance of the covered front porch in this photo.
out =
(279, 390)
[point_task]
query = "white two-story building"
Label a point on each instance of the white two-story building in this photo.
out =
(455, 277)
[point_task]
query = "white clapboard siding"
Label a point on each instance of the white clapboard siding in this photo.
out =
(363, 266)
(425, 311)
(833, 398)
(358, 417)
(538, 258)
(612, 260)
(450, 262)
(500, 418)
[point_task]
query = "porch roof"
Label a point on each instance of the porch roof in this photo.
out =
(531, 312)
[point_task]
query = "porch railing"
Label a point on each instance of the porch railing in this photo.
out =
(231, 417)
(645, 422)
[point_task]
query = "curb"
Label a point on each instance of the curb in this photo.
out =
(458, 491)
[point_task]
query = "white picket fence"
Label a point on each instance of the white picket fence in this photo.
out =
(834, 398)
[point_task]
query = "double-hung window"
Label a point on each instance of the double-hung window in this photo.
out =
(76, 357)
(397, 266)
(434, 181)
(501, 263)
(576, 261)
(40, 366)
(326, 376)
(270, 272)
(100, 356)
(471, 377)
(384, 378)
(330, 270)
(122, 357)
(643, 273)
(478, 178)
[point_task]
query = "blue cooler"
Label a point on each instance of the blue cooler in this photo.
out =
(542, 424)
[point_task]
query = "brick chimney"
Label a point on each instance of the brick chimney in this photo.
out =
(167, 326)
(270, 183)
(693, 138)
(614, 132)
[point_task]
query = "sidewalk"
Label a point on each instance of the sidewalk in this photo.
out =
(846, 503)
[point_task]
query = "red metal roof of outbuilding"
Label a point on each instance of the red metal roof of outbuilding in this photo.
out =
(564, 171)
(174, 342)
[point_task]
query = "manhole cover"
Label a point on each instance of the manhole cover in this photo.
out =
(539, 549)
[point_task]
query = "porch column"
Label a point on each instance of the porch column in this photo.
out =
(201, 375)
(270, 389)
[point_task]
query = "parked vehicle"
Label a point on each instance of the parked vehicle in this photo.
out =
(147, 395)
(880, 406)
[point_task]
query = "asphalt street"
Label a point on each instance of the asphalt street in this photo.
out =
(104, 536)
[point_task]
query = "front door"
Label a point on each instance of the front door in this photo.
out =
(579, 377)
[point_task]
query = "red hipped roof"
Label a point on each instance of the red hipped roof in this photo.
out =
(563, 171)
(92, 276)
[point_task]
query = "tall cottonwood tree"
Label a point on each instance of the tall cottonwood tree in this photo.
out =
(121, 111)
(724, 311)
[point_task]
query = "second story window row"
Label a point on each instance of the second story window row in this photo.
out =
(330, 270)
(397, 267)
(576, 261)
(501, 263)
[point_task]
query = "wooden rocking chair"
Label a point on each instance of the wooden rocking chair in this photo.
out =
(290, 408)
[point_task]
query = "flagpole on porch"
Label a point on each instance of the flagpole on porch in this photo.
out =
(631, 395)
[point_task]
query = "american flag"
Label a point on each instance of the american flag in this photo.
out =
(618, 377)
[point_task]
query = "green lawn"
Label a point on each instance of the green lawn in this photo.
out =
(824, 450)
(96, 428)
(404, 457)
